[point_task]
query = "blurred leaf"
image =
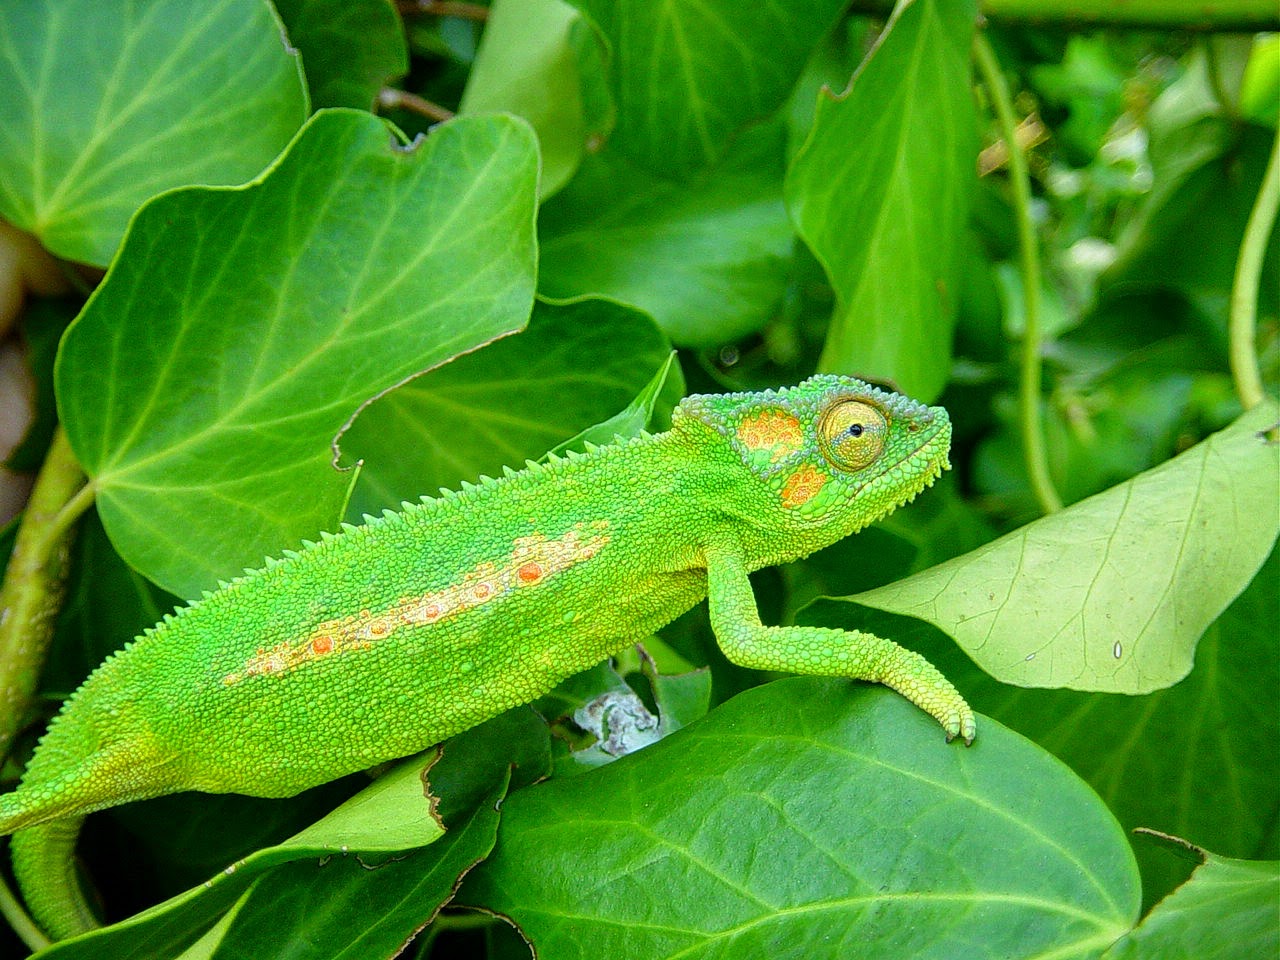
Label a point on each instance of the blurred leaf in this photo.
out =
(687, 75)
(527, 65)
(108, 102)
(814, 818)
(1226, 911)
(211, 447)
(707, 258)
(575, 365)
(1112, 593)
(1260, 91)
(350, 48)
(1207, 171)
(880, 193)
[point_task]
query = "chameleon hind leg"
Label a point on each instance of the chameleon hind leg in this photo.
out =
(824, 651)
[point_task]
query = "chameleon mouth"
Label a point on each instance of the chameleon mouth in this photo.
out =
(927, 461)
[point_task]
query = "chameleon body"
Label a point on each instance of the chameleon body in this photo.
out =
(376, 642)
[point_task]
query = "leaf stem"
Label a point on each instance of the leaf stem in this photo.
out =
(1029, 262)
(19, 920)
(443, 8)
(1221, 16)
(34, 582)
(391, 99)
(1242, 324)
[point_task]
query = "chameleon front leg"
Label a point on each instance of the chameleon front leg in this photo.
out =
(822, 650)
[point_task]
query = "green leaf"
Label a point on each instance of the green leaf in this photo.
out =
(370, 909)
(880, 193)
(650, 406)
(707, 259)
(350, 48)
(575, 365)
(1208, 741)
(814, 818)
(1226, 911)
(393, 814)
(108, 102)
(1112, 593)
(240, 329)
(687, 75)
(527, 65)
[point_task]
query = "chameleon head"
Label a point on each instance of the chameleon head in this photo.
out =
(832, 454)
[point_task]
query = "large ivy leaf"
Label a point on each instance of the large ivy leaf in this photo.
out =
(240, 329)
(880, 193)
(814, 818)
(1198, 759)
(109, 102)
(706, 258)
(575, 365)
(1226, 911)
(688, 74)
(350, 48)
(1112, 593)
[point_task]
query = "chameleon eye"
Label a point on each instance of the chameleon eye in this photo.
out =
(851, 434)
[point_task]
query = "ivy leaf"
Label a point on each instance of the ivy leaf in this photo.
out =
(109, 102)
(687, 75)
(241, 328)
(814, 818)
(880, 193)
(1114, 592)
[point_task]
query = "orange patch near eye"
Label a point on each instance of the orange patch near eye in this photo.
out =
(773, 430)
(802, 486)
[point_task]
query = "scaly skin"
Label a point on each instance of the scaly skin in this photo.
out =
(381, 640)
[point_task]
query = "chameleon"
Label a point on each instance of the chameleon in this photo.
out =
(375, 642)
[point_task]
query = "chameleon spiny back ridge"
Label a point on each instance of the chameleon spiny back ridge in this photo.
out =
(378, 641)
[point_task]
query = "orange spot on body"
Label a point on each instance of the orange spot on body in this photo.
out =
(532, 560)
(802, 486)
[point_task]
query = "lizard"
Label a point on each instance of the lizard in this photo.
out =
(375, 642)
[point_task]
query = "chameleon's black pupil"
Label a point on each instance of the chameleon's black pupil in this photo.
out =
(855, 429)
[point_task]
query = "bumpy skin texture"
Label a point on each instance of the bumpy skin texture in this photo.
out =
(386, 638)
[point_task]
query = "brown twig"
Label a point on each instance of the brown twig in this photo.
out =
(392, 99)
(442, 8)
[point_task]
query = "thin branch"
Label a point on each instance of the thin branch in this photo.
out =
(34, 582)
(442, 8)
(1033, 448)
(392, 99)
(1242, 325)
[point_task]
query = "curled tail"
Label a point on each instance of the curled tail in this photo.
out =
(44, 863)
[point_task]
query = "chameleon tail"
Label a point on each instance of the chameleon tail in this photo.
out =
(44, 863)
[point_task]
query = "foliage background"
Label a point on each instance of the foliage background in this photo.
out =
(622, 179)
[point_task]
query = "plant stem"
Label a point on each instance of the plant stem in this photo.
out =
(1242, 16)
(18, 919)
(1029, 262)
(1242, 325)
(34, 582)
(443, 8)
(391, 99)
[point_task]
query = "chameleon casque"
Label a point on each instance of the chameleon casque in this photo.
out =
(378, 641)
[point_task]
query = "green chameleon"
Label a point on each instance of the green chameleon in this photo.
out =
(385, 638)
